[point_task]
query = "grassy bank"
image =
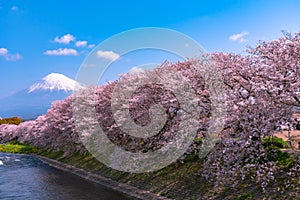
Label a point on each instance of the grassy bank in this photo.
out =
(180, 180)
(17, 147)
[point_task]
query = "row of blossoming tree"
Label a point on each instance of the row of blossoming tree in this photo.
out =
(262, 94)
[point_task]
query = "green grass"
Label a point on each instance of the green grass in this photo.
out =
(16, 147)
(247, 195)
(183, 180)
(275, 142)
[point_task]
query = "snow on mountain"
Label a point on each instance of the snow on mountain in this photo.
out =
(55, 81)
(35, 101)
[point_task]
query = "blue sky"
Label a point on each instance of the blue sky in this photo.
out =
(40, 37)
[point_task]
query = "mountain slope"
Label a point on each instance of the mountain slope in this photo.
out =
(55, 81)
(35, 101)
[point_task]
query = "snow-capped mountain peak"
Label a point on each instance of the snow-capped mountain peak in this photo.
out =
(55, 81)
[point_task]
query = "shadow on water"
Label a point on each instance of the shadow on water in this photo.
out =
(26, 177)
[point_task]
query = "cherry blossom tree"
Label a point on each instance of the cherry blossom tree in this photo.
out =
(262, 93)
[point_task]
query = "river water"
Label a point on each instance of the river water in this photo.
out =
(26, 177)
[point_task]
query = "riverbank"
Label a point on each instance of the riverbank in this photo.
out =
(24, 176)
(124, 189)
(180, 180)
(16, 147)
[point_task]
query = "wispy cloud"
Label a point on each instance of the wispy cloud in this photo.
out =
(13, 57)
(8, 56)
(90, 46)
(89, 65)
(14, 8)
(240, 37)
(65, 39)
(81, 43)
(136, 70)
(109, 55)
(61, 52)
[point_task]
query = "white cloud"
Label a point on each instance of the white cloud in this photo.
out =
(9, 57)
(13, 57)
(239, 37)
(3, 51)
(81, 43)
(65, 39)
(68, 38)
(109, 55)
(14, 8)
(61, 52)
(136, 70)
(90, 46)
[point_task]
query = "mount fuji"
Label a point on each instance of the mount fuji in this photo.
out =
(37, 99)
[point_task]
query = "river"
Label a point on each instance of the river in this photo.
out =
(26, 177)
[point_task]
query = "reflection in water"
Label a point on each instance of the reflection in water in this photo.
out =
(26, 177)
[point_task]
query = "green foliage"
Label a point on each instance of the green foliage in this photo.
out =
(11, 120)
(282, 158)
(164, 193)
(15, 146)
(198, 140)
(247, 195)
(275, 142)
(14, 142)
(273, 147)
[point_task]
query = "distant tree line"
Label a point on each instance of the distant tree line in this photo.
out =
(11, 120)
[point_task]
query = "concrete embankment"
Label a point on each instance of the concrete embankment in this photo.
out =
(125, 189)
